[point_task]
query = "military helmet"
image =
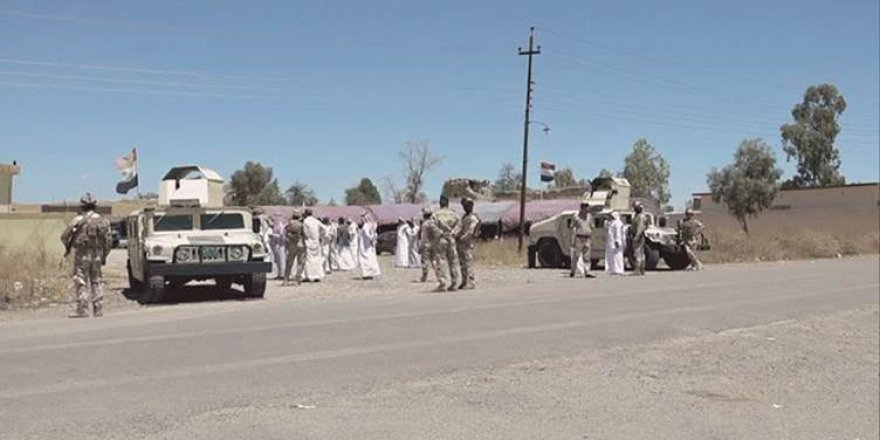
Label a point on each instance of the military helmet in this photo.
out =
(427, 212)
(296, 214)
(88, 201)
(688, 211)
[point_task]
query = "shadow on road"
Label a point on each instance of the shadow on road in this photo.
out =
(190, 294)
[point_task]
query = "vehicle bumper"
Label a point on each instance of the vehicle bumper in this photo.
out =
(214, 269)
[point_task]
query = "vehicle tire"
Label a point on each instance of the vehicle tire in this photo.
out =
(154, 290)
(677, 261)
(134, 284)
(255, 285)
(223, 284)
(652, 258)
(550, 255)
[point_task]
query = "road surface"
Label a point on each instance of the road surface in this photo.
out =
(780, 350)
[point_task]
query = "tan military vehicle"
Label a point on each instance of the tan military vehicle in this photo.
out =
(550, 240)
(191, 236)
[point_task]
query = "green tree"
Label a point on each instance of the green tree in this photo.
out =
(254, 185)
(605, 173)
(747, 186)
(299, 194)
(509, 179)
(564, 178)
(810, 138)
(648, 172)
(365, 193)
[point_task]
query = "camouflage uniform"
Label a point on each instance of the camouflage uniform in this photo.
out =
(690, 230)
(446, 260)
(89, 238)
(581, 244)
(466, 238)
(639, 226)
(294, 235)
(428, 235)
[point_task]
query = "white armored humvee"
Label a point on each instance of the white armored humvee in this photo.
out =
(192, 236)
(550, 239)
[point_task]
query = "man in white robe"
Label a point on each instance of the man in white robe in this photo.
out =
(401, 250)
(276, 244)
(367, 260)
(314, 232)
(614, 245)
(346, 245)
(415, 259)
(328, 247)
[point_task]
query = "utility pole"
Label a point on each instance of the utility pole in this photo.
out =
(522, 196)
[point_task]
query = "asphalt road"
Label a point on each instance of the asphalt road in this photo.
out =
(262, 369)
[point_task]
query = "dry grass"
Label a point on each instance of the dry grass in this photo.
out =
(31, 276)
(500, 253)
(730, 246)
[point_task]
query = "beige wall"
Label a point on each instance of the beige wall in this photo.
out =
(6, 174)
(847, 211)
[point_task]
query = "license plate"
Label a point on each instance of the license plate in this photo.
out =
(210, 254)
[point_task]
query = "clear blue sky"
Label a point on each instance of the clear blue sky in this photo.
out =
(328, 92)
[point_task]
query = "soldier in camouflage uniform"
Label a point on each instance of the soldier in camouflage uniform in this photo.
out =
(295, 246)
(466, 236)
(690, 230)
(582, 242)
(88, 236)
(640, 223)
(446, 222)
(428, 234)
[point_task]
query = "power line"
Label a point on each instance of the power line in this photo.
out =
(137, 81)
(126, 90)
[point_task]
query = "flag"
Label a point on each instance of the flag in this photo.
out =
(127, 165)
(548, 172)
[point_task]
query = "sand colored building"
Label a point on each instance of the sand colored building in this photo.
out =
(7, 172)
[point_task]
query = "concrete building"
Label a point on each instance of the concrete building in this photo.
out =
(7, 172)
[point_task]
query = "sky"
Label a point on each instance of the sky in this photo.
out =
(328, 92)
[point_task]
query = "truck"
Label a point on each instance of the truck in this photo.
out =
(191, 236)
(550, 239)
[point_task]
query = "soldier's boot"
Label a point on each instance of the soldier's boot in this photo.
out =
(440, 288)
(424, 278)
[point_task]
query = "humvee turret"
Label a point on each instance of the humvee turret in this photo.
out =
(192, 236)
(550, 239)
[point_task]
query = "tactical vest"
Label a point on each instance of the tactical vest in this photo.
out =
(92, 234)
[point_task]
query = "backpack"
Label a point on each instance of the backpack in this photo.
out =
(93, 232)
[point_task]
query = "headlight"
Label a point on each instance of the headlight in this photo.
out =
(258, 248)
(157, 250)
(185, 255)
(237, 253)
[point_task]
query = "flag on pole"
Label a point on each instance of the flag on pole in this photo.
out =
(548, 172)
(127, 165)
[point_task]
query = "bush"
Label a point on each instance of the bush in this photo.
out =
(729, 246)
(31, 277)
(500, 253)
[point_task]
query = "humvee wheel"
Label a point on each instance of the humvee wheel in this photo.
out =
(154, 291)
(549, 254)
(255, 285)
(677, 261)
(133, 283)
(652, 258)
(223, 284)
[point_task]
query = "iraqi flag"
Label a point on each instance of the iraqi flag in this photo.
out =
(127, 165)
(548, 172)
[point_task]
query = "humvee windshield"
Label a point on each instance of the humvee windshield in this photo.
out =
(166, 223)
(221, 221)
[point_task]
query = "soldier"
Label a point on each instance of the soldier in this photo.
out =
(446, 222)
(466, 236)
(294, 234)
(89, 238)
(428, 235)
(582, 242)
(640, 223)
(690, 229)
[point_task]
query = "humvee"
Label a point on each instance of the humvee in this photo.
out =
(550, 239)
(191, 236)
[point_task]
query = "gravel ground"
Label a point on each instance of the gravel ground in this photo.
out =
(809, 379)
(339, 285)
